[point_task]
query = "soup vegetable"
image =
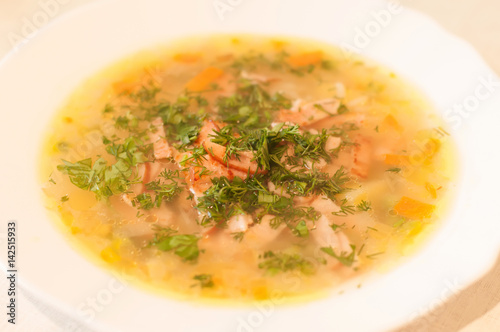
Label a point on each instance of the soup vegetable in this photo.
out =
(246, 168)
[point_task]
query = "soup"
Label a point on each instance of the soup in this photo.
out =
(238, 168)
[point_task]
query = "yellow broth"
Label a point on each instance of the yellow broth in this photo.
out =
(393, 149)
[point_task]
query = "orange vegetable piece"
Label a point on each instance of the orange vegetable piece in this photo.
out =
(413, 209)
(110, 255)
(187, 57)
(203, 80)
(128, 84)
(124, 86)
(391, 122)
(396, 159)
(305, 59)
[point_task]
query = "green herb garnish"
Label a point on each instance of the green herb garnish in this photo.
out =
(275, 263)
(364, 206)
(205, 280)
(183, 245)
(344, 258)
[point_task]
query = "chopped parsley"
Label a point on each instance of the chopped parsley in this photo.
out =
(375, 255)
(364, 206)
(98, 177)
(107, 180)
(301, 229)
(131, 153)
(108, 109)
(226, 198)
(165, 189)
(335, 226)
(345, 209)
(205, 280)
(251, 107)
(275, 263)
(344, 258)
(253, 60)
(183, 245)
(182, 119)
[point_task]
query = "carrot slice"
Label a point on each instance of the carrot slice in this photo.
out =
(305, 59)
(243, 163)
(125, 86)
(413, 209)
(128, 83)
(396, 159)
(203, 80)
(187, 57)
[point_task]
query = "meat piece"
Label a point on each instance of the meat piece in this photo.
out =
(127, 199)
(243, 162)
(316, 164)
(362, 157)
(280, 191)
(255, 78)
(239, 223)
(262, 234)
(198, 177)
(332, 143)
(325, 206)
(160, 144)
(325, 236)
(340, 90)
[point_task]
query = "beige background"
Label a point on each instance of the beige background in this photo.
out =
(474, 309)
